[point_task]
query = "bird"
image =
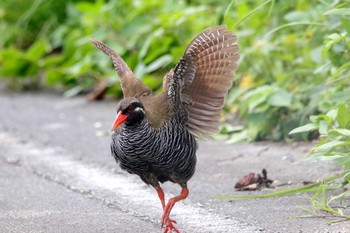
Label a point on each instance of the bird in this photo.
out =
(155, 135)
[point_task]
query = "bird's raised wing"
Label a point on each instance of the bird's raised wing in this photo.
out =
(204, 75)
(131, 86)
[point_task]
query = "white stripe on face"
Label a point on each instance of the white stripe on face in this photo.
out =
(137, 109)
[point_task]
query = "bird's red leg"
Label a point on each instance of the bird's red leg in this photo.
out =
(169, 226)
(161, 196)
(162, 200)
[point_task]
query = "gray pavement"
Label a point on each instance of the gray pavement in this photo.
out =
(30, 203)
(57, 175)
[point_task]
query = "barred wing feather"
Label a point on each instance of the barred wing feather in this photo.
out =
(214, 54)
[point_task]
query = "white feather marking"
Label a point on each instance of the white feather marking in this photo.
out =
(138, 109)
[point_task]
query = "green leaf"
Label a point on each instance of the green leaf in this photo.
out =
(341, 69)
(339, 11)
(331, 115)
(147, 43)
(280, 98)
(343, 116)
(340, 96)
(140, 69)
(317, 119)
(346, 24)
(53, 76)
(37, 50)
(151, 81)
(16, 64)
(228, 129)
(323, 127)
(238, 137)
(144, 49)
(159, 63)
(53, 60)
(158, 48)
(73, 91)
(344, 132)
(252, 99)
(328, 146)
(294, 16)
(305, 128)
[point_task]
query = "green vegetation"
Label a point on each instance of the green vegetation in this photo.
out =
(294, 54)
(294, 67)
(295, 59)
(334, 145)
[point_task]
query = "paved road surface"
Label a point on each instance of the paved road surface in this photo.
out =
(57, 175)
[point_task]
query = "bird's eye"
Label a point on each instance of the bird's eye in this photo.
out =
(130, 109)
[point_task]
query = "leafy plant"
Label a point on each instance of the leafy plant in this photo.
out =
(20, 64)
(313, 78)
(324, 207)
(294, 55)
(334, 142)
(149, 35)
(291, 71)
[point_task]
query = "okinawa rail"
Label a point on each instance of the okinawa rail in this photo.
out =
(154, 136)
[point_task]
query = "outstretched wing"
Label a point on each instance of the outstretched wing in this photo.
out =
(204, 75)
(131, 86)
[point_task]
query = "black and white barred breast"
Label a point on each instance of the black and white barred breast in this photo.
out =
(167, 153)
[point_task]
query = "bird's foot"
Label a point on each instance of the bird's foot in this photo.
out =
(170, 227)
(170, 224)
(166, 213)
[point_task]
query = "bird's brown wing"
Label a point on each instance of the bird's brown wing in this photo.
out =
(206, 73)
(131, 86)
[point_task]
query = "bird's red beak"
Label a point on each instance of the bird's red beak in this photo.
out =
(119, 120)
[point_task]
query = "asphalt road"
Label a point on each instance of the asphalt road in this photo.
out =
(57, 175)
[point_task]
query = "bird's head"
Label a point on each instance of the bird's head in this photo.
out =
(129, 111)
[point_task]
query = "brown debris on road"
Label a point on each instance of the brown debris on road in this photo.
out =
(253, 182)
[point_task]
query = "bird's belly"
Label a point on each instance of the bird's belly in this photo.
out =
(167, 155)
